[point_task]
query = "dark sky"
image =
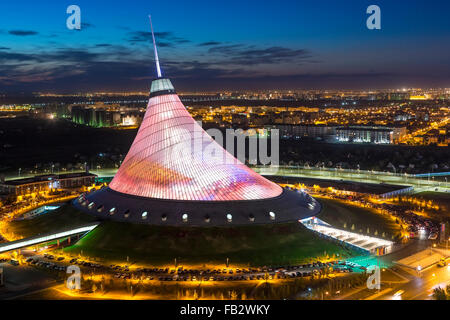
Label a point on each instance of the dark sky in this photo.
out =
(233, 44)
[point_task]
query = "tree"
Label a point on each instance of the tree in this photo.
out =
(439, 294)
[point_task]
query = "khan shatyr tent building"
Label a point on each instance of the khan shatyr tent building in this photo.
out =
(176, 174)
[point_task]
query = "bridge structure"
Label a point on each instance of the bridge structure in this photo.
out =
(43, 238)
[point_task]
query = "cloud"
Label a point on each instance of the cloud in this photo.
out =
(209, 43)
(106, 66)
(163, 39)
(16, 56)
(248, 55)
(71, 55)
(22, 32)
(226, 49)
(124, 68)
(85, 25)
(272, 55)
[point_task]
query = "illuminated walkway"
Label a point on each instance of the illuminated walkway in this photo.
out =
(366, 243)
(27, 242)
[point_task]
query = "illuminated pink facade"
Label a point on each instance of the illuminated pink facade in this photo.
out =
(172, 158)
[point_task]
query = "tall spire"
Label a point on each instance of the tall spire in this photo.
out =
(158, 68)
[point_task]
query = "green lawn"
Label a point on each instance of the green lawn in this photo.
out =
(254, 245)
(338, 213)
(287, 243)
(62, 218)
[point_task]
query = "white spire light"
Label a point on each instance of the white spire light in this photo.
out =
(158, 68)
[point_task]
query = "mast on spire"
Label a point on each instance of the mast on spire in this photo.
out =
(158, 68)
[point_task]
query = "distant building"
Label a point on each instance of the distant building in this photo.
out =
(24, 186)
(366, 134)
(102, 116)
(402, 116)
(288, 131)
(396, 96)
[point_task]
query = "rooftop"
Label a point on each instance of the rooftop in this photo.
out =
(48, 177)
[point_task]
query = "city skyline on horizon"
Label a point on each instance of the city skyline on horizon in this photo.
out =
(307, 48)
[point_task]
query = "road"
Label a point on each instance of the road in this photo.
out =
(413, 285)
(421, 288)
(20, 280)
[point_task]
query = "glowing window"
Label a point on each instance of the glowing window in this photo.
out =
(272, 215)
(251, 217)
(112, 211)
(207, 219)
(164, 217)
(144, 215)
(184, 217)
(229, 217)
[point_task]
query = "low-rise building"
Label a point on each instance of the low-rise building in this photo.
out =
(369, 134)
(41, 183)
(288, 131)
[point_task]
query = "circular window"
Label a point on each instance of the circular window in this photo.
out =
(184, 217)
(229, 217)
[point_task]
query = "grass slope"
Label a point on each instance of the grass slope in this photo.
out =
(255, 245)
(62, 218)
(338, 213)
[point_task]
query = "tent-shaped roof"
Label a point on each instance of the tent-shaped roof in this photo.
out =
(172, 157)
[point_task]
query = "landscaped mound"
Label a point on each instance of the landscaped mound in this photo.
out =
(274, 244)
(288, 243)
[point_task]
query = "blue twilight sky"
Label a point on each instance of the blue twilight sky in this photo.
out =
(212, 45)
